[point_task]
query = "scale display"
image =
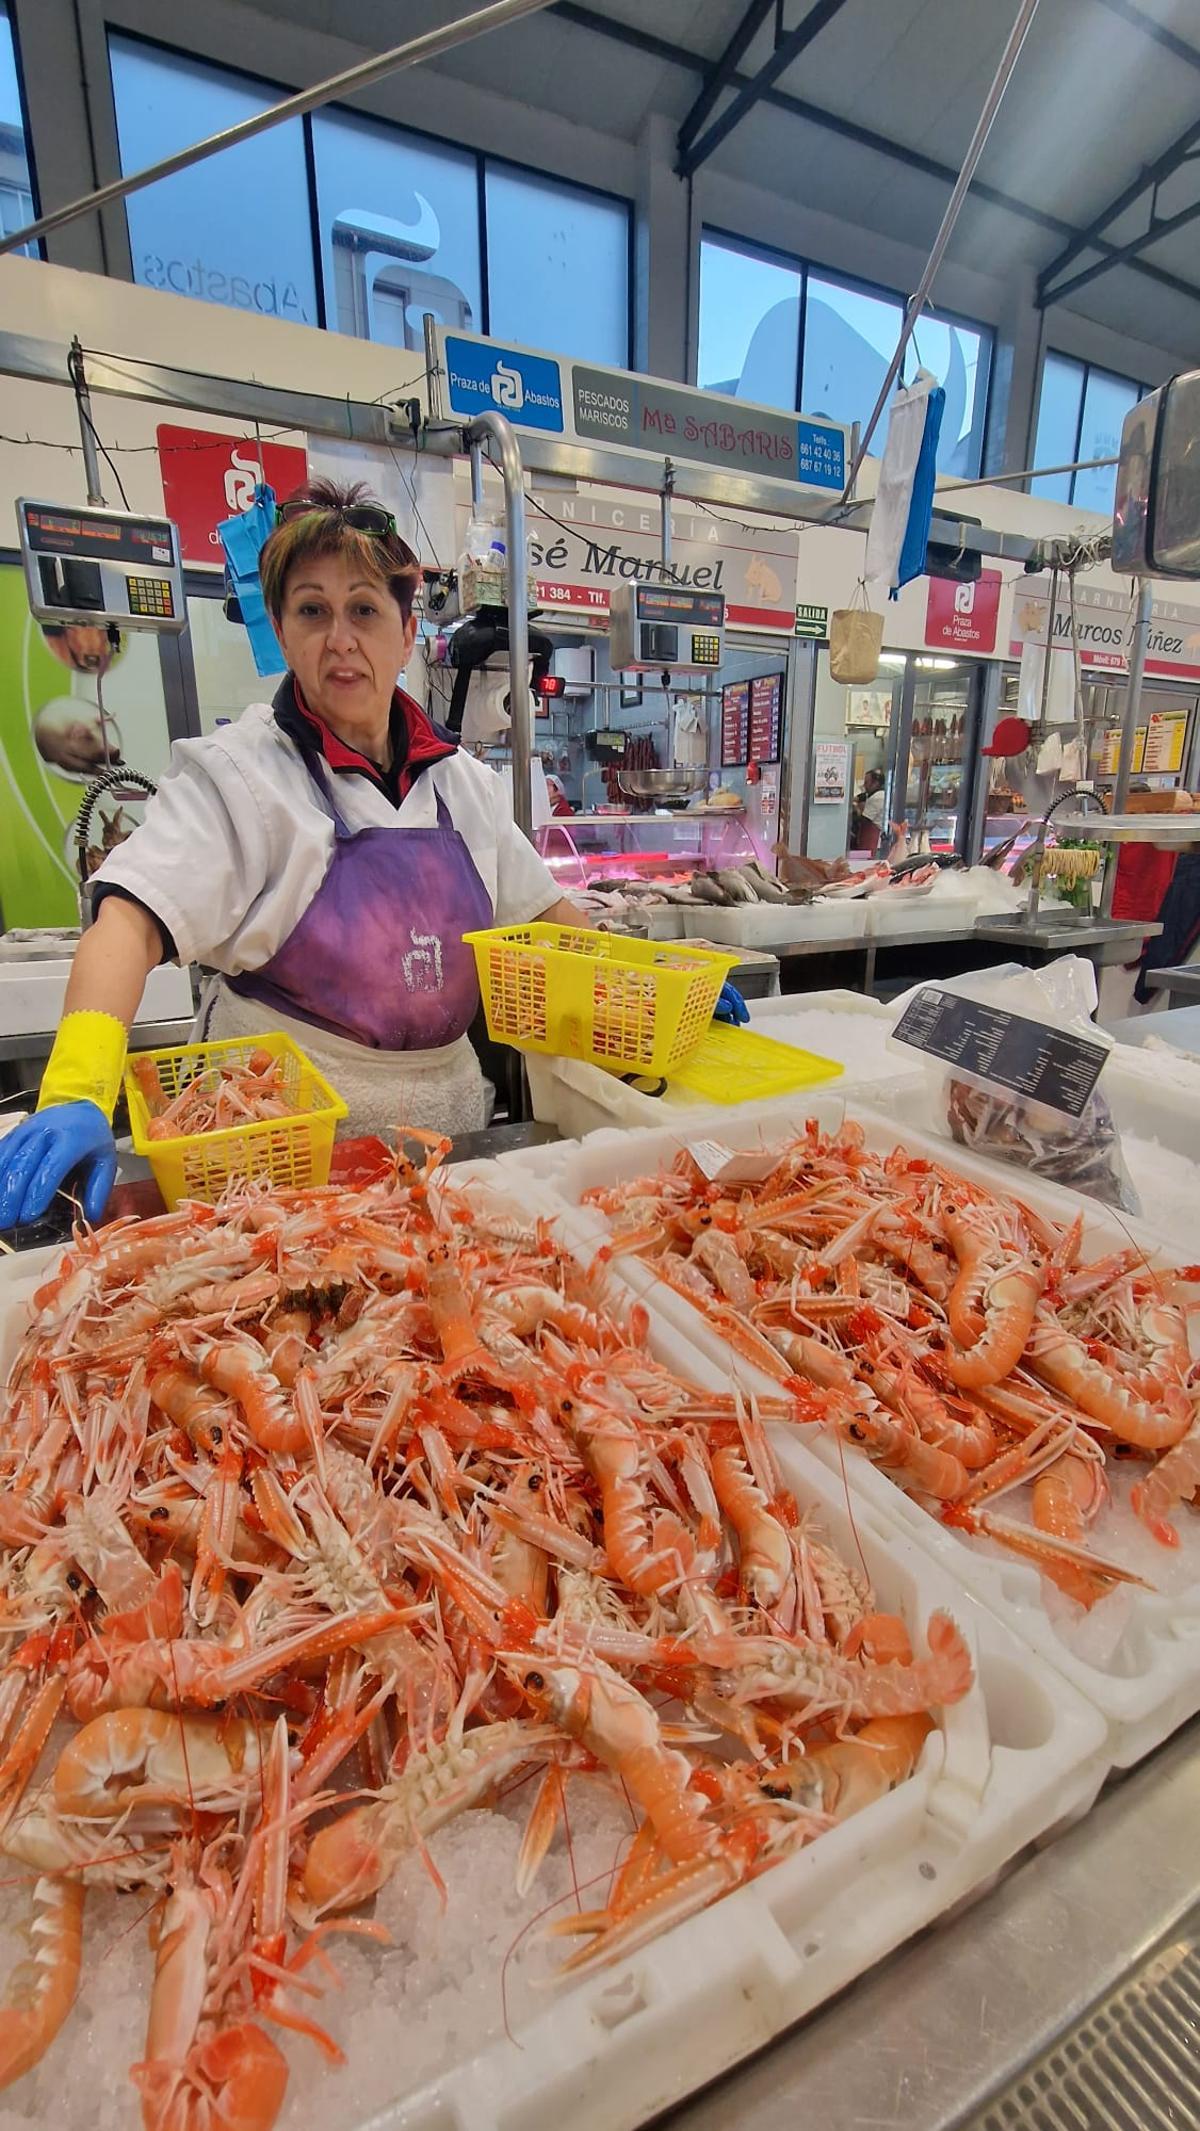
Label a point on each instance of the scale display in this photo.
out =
(661, 629)
(106, 567)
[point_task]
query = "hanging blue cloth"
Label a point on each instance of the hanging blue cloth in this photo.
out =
(920, 509)
(243, 539)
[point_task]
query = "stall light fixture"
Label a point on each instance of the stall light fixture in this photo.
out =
(937, 665)
(892, 658)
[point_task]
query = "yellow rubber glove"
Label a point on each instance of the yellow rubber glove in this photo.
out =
(86, 1063)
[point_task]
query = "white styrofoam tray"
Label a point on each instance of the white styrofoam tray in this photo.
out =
(1017, 1758)
(1149, 1682)
(32, 994)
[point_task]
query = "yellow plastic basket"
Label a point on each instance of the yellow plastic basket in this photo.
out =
(737, 1065)
(287, 1150)
(631, 1005)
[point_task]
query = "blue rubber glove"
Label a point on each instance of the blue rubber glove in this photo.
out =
(731, 1007)
(39, 1155)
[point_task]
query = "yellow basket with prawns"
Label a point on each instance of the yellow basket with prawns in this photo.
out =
(634, 1006)
(293, 1149)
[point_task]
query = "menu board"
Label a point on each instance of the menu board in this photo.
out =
(766, 717)
(1166, 731)
(735, 724)
(1111, 752)
(1158, 746)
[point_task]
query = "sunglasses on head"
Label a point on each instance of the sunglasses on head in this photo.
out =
(369, 518)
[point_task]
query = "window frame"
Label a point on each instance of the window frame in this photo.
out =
(774, 255)
(14, 32)
(279, 90)
(1087, 369)
(480, 156)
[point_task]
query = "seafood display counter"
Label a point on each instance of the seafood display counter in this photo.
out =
(628, 1581)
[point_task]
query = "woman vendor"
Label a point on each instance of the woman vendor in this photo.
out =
(325, 854)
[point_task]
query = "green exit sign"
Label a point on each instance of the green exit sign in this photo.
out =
(812, 621)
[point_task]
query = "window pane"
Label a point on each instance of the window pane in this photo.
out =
(849, 340)
(16, 193)
(399, 219)
(1106, 402)
(558, 267)
(960, 359)
(1058, 420)
(234, 229)
(749, 326)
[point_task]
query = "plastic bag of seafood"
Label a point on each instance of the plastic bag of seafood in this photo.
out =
(1065, 1140)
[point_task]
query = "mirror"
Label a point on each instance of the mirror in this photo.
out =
(1156, 518)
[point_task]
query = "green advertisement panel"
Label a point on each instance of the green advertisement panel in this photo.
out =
(54, 740)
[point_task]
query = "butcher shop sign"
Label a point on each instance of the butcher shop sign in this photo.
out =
(605, 538)
(1104, 627)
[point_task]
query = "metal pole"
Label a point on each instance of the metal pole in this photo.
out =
(493, 428)
(1051, 618)
(476, 479)
(1133, 696)
(429, 46)
(987, 116)
(87, 432)
(664, 502)
(433, 368)
(1133, 692)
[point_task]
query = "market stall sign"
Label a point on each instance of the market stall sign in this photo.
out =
(1104, 626)
(208, 474)
(602, 538)
(831, 772)
(813, 622)
(1003, 1050)
(963, 617)
(631, 413)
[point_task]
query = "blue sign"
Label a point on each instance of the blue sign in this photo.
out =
(526, 388)
(820, 455)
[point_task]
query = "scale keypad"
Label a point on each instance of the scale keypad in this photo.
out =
(706, 650)
(151, 596)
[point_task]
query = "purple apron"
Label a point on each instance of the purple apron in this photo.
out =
(378, 955)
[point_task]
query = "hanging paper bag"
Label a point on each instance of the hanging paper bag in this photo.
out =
(855, 641)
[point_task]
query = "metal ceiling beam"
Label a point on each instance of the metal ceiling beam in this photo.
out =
(720, 74)
(1138, 19)
(1127, 252)
(787, 49)
(678, 55)
(1147, 181)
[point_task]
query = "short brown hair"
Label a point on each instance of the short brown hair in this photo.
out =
(321, 530)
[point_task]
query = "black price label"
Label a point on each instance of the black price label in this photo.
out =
(1010, 1051)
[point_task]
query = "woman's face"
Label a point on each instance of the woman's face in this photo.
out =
(346, 640)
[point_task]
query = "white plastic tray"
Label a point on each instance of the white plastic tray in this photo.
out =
(1018, 1757)
(580, 1097)
(1150, 1681)
(906, 910)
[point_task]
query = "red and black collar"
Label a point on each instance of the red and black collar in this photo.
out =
(416, 741)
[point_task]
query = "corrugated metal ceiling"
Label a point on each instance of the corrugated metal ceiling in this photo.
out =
(1094, 98)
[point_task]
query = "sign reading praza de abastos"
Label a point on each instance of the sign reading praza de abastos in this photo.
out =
(615, 407)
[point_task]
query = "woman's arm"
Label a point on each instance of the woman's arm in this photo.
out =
(563, 912)
(113, 960)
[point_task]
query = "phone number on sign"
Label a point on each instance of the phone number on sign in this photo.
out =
(556, 595)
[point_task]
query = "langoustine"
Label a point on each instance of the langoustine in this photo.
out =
(370, 1492)
(947, 1331)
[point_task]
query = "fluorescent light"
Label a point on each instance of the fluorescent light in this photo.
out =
(938, 665)
(892, 658)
